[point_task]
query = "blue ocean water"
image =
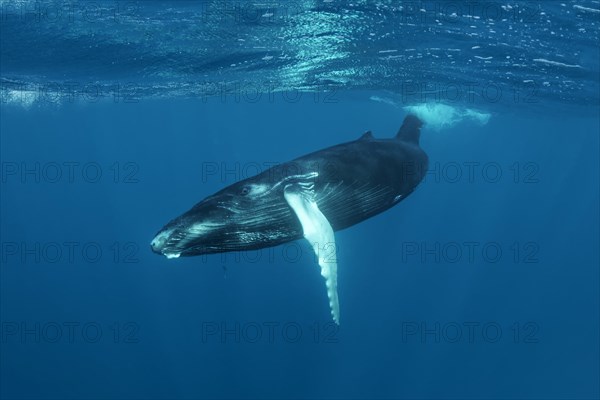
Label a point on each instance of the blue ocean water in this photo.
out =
(118, 116)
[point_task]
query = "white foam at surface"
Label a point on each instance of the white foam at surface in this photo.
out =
(439, 116)
(588, 9)
(556, 63)
(23, 98)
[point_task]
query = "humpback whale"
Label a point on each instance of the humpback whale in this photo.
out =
(312, 197)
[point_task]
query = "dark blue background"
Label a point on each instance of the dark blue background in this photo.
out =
(163, 306)
(168, 327)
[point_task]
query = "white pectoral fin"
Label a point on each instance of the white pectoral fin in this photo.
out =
(318, 231)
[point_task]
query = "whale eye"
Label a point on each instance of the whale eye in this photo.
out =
(245, 191)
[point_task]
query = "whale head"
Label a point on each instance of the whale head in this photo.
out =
(246, 215)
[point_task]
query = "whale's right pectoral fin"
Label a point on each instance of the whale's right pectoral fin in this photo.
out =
(318, 231)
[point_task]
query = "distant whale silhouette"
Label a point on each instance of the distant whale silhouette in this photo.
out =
(311, 197)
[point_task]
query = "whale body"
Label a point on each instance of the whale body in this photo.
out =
(312, 197)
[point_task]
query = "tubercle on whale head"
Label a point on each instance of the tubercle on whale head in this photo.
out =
(187, 234)
(231, 219)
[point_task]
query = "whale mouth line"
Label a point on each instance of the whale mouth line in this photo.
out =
(177, 241)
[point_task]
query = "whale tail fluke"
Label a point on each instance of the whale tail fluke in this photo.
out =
(410, 131)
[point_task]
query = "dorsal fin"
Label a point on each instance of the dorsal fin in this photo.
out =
(410, 131)
(367, 136)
